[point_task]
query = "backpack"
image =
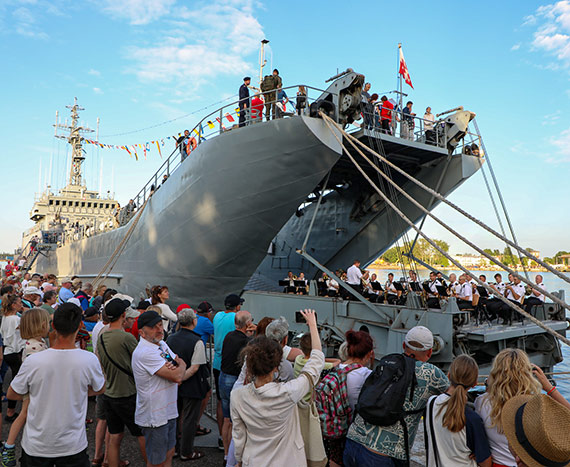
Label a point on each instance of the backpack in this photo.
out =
(268, 83)
(382, 397)
(331, 398)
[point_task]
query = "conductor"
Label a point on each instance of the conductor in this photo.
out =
(244, 100)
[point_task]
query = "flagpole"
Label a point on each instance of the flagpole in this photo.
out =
(400, 86)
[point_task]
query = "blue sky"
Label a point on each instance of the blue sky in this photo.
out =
(137, 63)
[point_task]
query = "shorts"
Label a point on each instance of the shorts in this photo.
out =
(334, 448)
(81, 459)
(120, 411)
(100, 408)
(356, 455)
(216, 379)
(226, 383)
(159, 441)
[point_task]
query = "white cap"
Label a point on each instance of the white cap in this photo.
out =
(130, 313)
(421, 337)
(32, 290)
(75, 301)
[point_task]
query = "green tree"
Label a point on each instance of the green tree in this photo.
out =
(548, 260)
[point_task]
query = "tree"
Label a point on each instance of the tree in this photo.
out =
(508, 257)
(548, 260)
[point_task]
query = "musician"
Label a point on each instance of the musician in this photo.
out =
(453, 286)
(354, 276)
(494, 305)
(514, 292)
(303, 290)
(433, 296)
(322, 285)
(375, 295)
(391, 293)
(464, 294)
(482, 302)
(441, 279)
(413, 279)
(536, 297)
(291, 278)
(333, 287)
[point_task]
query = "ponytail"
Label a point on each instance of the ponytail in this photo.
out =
(463, 374)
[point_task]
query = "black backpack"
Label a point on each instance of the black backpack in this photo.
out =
(382, 397)
(268, 83)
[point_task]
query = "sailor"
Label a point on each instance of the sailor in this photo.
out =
(441, 279)
(494, 305)
(536, 297)
(465, 293)
(413, 279)
(433, 296)
(244, 101)
(392, 294)
(354, 276)
(333, 287)
(375, 290)
(303, 289)
(515, 294)
(453, 286)
(291, 287)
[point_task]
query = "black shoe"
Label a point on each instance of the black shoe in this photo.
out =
(220, 444)
(10, 419)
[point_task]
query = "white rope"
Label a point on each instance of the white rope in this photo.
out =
(464, 213)
(433, 244)
(426, 211)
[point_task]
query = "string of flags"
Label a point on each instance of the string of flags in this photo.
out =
(135, 149)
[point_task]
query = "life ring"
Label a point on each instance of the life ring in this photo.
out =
(191, 142)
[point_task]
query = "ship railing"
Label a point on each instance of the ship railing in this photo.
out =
(227, 118)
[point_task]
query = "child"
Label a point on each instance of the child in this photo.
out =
(456, 434)
(34, 327)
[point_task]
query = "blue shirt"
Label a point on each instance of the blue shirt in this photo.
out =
(223, 323)
(65, 295)
(205, 328)
(281, 96)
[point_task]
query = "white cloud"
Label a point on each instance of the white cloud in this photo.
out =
(94, 72)
(516, 46)
(202, 43)
(97, 91)
(562, 143)
(553, 32)
(25, 23)
(138, 12)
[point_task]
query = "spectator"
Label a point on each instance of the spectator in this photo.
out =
(231, 365)
(407, 130)
(84, 295)
(224, 322)
(537, 430)
(115, 349)
(158, 372)
(244, 101)
(386, 115)
(49, 299)
(266, 427)
(281, 103)
(31, 297)
(455, 433)
(204, 328)
(65, 292)
(97, 299)
(182, 144)
(301, 102)
(189, 346)
(269, 86)
(159, 296)
(13, 343)
(429, 120)
(65, 376)
(90, 318)
(369, 444)
(256, 109)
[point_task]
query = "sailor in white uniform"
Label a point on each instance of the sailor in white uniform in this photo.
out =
(536, 297)
(453, 286)
(433, 296)
(515, 294)
(494, 305)
(465, 293)
(392, 293)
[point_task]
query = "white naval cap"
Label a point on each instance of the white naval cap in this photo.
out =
(419, 338)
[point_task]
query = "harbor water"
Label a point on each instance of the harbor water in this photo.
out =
(552, 283)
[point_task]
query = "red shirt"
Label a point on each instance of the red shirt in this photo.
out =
(387, 108)
(135, 329)
(256, 108)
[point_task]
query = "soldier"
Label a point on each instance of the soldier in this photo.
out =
(244, 101)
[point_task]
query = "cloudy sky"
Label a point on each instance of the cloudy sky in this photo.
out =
(137, 64)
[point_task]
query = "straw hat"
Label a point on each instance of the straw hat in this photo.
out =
(534, 426)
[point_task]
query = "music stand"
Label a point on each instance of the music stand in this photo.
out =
(300, 283)
(284, 283)
(398, 286)
(376, 286)
(441, 290)
(426, 288)
(483, 293)
(415, 287)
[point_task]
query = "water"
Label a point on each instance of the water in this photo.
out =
(551, 282)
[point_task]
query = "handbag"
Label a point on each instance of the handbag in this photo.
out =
(311, 430)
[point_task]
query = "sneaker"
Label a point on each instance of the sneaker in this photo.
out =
(8, 456)
(220, 444)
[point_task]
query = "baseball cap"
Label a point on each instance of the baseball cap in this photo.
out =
(116, 307)
(32, 290)
(419, 338)
(149, 318)
(75, 301)
(143, 305)
(130, 313)
(64, 280)
(91, 311)
(233, 300)
(205, 307)
(182, 307)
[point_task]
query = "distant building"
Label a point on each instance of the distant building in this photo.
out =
(534, 253)
(471, 261)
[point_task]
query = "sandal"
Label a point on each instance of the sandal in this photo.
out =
(202, 430)
(97, 462)
(195, 456)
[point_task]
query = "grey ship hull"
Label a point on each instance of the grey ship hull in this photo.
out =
(209, 226)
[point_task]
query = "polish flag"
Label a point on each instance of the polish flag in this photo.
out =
(404, 69)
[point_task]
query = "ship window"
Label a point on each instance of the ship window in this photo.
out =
(57, 202)
(64, 203)
(88, 205)
(77, 203)
(51, 202)
(107, 206)
(100, 205)
(83, 204)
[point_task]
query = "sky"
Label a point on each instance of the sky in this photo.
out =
(137, 64)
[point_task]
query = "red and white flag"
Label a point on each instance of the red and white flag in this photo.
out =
(404, 69)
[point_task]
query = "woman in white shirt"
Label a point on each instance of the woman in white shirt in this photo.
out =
(159, 295)
(455, 433)
(511, 375)
(266, 428)
(13, 342)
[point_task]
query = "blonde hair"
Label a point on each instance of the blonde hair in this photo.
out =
(155, 308)
(100, 290)
(510, 376)
(8, 301)
(463, 375)
(34, 323)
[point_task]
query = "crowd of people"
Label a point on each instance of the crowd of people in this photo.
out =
(279, 402)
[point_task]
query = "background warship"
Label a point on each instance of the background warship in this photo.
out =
(233, 214)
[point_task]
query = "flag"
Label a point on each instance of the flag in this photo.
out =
(230, 118)
(404, 69)
(196, 131)
(159, 151)
(210, 124)
(237, 111)
(220, 122)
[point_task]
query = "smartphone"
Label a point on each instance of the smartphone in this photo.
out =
(299, 318)
(169, 358)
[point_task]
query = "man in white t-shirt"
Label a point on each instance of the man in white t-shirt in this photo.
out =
(353, 275)
(58, 381)
(158, 371)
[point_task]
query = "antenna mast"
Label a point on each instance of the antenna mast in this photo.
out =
(262, 61)
(75, 139)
